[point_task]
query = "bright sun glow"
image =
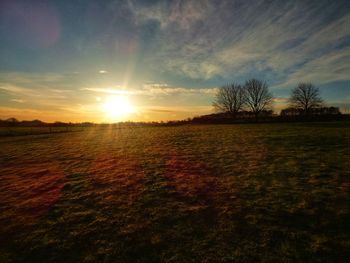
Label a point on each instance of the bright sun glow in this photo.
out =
(118, 106)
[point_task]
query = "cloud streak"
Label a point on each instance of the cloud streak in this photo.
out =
(234, 39)
(152, 90)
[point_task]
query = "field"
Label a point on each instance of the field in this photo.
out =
(206, 193)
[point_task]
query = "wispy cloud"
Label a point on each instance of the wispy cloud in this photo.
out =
(116, 91)
(175, 109)
(23, 79)
(165, 89)
(333, 66)
(18, 100)
(152, 89)
(46, 94)
(16, 90)
(234, 39)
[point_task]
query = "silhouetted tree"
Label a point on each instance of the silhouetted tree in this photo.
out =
(305, 97)
(290, 112)
(230, 99)
(314, 111)
(258, 96)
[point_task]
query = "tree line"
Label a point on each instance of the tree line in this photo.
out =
(244, 102)
(255, 98)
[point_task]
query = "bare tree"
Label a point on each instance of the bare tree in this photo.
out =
(305, 97)
(230, 98)
(258, 96)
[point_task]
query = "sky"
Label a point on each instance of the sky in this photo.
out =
(72, 60)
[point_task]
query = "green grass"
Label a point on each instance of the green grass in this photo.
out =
(224, 193)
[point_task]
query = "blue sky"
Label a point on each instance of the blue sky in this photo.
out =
(63, 59)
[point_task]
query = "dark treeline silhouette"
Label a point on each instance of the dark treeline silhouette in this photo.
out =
(267, 116)
(13, 122)
(287, 115)
(312, 112)
(13, 127)
(253, 101)
(238, 100)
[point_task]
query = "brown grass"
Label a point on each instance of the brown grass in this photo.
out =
(28, 191)
(118, 175)
(225, 193)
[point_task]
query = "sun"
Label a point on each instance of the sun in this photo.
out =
(118, 106)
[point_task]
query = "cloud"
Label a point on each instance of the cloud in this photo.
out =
(17, 100)
(280, 100)
(15, 90)
(333, 66)
(235, 39)
(116, 91)
(164, 89)
(164, 110)
(41, 80)
(280, 103)
(191, 41)
(152, 89)
(187, 13)
(37, 91)
(44, 94)
(50, 115)
(176, 109)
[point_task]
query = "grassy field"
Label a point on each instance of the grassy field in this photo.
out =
(224, 193)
